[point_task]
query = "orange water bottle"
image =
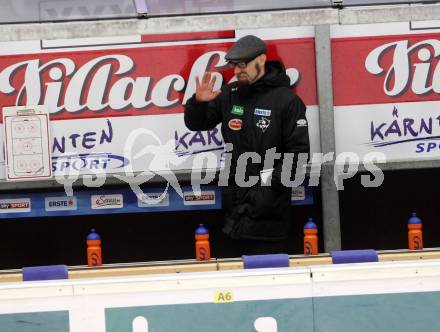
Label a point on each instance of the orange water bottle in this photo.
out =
(415, 234)
(203, 251)
(310, 238)
(94, 253)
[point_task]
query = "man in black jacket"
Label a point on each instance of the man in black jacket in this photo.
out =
(260, 115)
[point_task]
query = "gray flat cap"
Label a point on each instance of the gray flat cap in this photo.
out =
(246, 48)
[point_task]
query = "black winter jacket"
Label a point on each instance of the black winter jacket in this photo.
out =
(264, 115)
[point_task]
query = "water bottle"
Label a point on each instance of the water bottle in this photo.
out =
(310, 238)
(203, 251)
(94, 253)
(415, 234)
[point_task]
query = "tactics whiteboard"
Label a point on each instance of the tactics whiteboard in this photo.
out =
(27, 143)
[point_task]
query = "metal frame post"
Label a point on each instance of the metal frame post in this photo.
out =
(329, 192)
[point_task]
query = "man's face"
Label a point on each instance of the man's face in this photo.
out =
(250, 72)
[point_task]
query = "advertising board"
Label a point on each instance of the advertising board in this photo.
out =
(118, 102)
(386, 89)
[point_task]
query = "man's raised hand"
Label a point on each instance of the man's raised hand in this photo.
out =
(204, 88)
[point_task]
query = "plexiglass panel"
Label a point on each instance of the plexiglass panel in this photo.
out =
(16, 11)
(187, 7)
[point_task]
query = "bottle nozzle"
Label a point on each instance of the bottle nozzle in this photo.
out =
(310, 224)
(414, 219)
(93, 235)
(201, 230)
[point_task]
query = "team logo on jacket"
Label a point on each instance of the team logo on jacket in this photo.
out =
(235, 124)
(263, 124)
(237, 110)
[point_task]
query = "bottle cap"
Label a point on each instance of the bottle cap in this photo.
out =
(414, 219)
(93, 235)
(201, 230)
(310, 224)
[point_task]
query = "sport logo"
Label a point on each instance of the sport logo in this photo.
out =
(107, 201)
(60, 203)
(15, 205)
(235, 124)
(193, 142)
(419, 130)
(205, 198)
(154, 200)
(298, 194)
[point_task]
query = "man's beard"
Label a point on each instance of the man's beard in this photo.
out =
(246, 82)
(243, 83)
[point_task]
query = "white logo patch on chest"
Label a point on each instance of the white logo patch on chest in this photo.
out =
(263, 124)
(262, 112)
(301, 123)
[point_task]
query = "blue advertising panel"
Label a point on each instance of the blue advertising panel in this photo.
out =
(120, 200)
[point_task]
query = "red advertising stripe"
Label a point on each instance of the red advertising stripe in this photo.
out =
(133, 81)
(386, 69)
(186, 36)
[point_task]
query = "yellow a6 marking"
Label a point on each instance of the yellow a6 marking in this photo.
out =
(223, 296)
